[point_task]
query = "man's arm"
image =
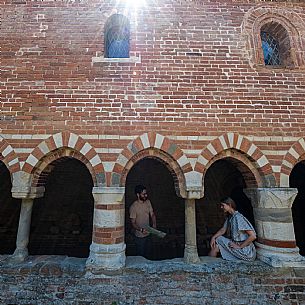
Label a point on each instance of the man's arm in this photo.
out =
(135, 226)
(153, 218)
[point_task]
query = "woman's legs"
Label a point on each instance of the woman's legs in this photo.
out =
(214, 251)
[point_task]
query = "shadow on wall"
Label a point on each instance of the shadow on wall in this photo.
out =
(9, 213)
(221, 180)
(168, 207)
(297, 180)
(62, 220)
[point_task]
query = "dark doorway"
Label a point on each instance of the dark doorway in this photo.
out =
(62, 219)
(221, 180)
(168, 207)
(9, 213)
(297, 180)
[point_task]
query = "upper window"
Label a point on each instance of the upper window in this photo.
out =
(270, 49)
(276, 45)
(274, 38)
(117, 36)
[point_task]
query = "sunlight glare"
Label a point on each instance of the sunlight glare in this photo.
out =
(134, 3)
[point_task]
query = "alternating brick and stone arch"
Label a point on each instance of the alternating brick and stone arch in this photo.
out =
(295, 154)
(8, 156)
(253, 163)
(58, 147)
(156, 146)
(284, 24)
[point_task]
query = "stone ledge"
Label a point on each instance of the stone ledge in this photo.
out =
(48, 265)
(102, 59)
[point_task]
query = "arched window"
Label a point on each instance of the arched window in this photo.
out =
(270, 49)
(274, 37)
(276, 45)
(117, 36)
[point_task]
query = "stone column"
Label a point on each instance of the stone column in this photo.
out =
(275, 243)
(107, 251)
(23, 234)
(190, 250)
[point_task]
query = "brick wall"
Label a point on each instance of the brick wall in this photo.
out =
(194, 76)
(61, 280)
(193, 91)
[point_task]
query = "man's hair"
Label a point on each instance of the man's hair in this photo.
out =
(229, 201)
(139, 189)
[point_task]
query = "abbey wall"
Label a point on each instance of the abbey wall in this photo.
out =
(190, 105)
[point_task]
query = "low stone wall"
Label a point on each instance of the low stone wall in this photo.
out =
(63, 280)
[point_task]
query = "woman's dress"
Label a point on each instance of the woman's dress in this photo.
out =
(236, 226)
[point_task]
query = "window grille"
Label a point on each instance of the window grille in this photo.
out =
(117, 37)
(270, 49)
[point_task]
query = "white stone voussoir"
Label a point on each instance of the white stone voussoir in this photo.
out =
(72, 140)
(159, 141)
(145, 140)
(85, 148)
(58, 140)
(223, 142)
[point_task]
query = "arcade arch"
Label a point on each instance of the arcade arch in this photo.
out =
(168, 207)
(62, 219)
(226, 175)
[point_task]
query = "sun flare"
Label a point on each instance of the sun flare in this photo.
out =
(134, 3)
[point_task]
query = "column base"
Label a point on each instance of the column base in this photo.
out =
(106, 258)
(279, 257)
(191, 255)
(19, 255)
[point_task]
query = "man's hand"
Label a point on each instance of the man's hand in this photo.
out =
(144, 231)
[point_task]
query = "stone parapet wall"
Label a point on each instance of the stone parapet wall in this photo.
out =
(60, 280)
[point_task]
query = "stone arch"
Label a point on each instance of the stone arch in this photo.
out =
(155, 146)
(8, 156)
(63, 145)
(240, 148)
(295, 154)
(258, 17)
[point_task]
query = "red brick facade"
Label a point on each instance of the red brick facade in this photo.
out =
(194, 90)
(195, 73)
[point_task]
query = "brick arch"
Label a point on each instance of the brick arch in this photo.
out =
(295, 154)
(65, 144)
(152, 145)
(260, 16)
(237, 147)
(8, 156)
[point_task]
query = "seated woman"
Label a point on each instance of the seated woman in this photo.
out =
(239, 245)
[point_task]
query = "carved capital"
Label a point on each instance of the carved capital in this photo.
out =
(272, 198)
(108, 195)
(23, 192)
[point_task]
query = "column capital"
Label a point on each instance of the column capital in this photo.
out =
(194, 193)
(108, 190)
(24, 192)
(272, 198)
(108, 194)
